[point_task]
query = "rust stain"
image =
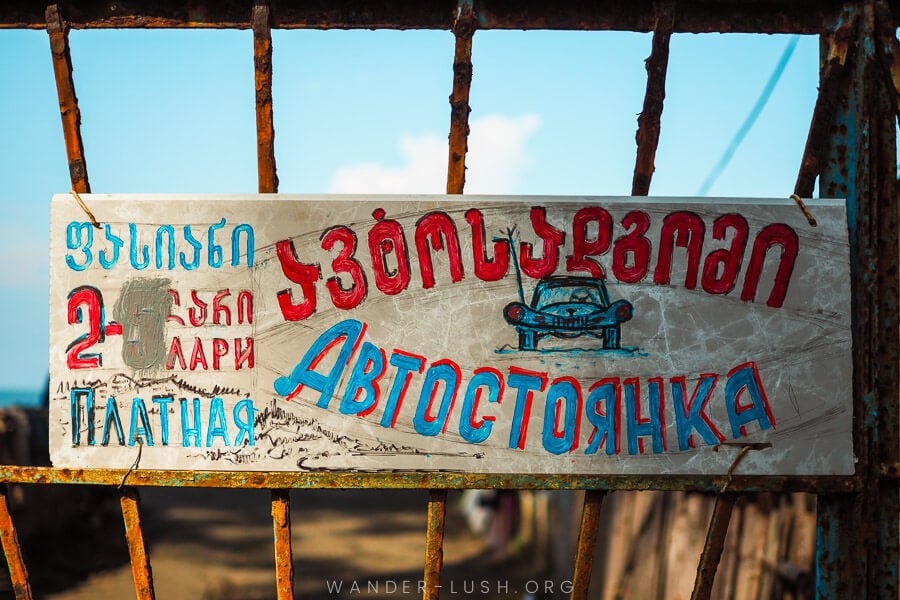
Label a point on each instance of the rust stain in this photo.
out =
(587, 541)
(715, 543)
(18, 574)
(434, 544)
(284, 557)
(694, 17)
(831, 89)
(68, 101)
(427, 480)
(647, 136)
(265, 128)
(463, 29)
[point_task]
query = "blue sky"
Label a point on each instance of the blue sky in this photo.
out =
(362, 111)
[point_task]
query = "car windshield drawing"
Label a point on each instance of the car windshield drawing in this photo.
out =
(569, 307)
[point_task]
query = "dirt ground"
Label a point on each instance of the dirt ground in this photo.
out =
(217, 545)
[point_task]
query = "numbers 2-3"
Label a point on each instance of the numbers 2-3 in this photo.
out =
(86, 304)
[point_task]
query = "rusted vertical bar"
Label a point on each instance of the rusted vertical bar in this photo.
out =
(434, 544)
(712, 548)
(130, 500)
(587, 542)
(463, 29)
(284, 558)
(18, 574)
(268, 184)
(830, 87)
(68, 101)
(265, 128)
(647, 136)
(857, 550)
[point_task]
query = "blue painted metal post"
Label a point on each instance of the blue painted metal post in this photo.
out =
(857, 534)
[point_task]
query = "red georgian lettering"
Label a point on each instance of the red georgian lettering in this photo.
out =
(386, 239)
(304, 275)
(583, 247)
(685, 230)
(438, 229)
(772, 235)
(487, 269)
(721, 267)
(634, 245)
(552, 238)
(341, 297)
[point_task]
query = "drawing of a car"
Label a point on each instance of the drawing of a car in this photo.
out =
(568, 307)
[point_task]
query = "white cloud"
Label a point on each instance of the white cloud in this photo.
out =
(496, 160)
(497, 153)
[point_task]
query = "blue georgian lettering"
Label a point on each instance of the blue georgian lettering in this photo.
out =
(138, 262)
(79, 236)
(196, 245)
(117, 243)
(170, 231)
(236, 242)
(214, 251)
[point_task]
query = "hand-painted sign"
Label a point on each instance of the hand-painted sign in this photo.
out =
(476, 334)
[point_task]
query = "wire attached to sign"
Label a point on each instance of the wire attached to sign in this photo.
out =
(745, 448)
(806, 212)
(137, 461)
(84, 207)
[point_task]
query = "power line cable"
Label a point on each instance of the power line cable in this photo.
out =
(751, 118)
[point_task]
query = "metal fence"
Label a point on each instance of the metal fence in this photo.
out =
(851, 149)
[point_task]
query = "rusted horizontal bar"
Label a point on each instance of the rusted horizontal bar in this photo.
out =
(757, 16)
(431, 480)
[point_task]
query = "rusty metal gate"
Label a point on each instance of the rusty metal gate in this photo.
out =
(851, 149)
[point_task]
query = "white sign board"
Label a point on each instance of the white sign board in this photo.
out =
(477, 334)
